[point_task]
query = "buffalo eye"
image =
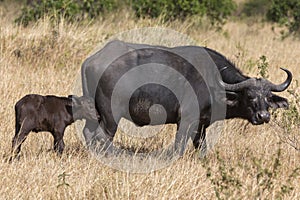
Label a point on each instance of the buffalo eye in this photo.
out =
(251, 96)
(269, 98)
(254, 102)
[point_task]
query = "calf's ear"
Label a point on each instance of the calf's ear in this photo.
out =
(278, 102)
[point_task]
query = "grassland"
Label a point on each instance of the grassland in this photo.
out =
(248, 162)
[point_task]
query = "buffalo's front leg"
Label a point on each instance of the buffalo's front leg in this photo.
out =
(58, 143)
(185, 131)
(199, 141)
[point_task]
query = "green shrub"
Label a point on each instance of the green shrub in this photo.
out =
(216, 10)
(171, 9)
(219, 10)
(288, 122)
(72, 10)
(263, 66)
(254, 8)
(287, 13)
(227, 182)
(224, 179)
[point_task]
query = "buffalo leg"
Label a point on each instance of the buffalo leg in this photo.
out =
(22, 131)
(199, 141)
(58, 143)
(97, 137)
(89, 131)
(199, 137)
(107, 136)
(102, 141)
(185, 131)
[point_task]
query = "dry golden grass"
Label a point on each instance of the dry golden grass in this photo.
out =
(245, 163)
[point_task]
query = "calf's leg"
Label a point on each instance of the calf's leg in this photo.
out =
(21, 132)
(58, 143)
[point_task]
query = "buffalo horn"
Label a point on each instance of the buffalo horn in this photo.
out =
(281, 87)
(237, 86)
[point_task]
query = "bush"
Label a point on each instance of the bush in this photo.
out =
(171, 9)
(254, 8)
(224, 176)
(287, 13)
(72, 10)
(288, 122)
(219, 10)
(216, 10)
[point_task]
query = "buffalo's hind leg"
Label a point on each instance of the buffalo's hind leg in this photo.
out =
(21, 132)
(102, 141)
(108, 136)
(89, 131)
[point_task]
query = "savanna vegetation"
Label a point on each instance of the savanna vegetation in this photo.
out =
(45, 55)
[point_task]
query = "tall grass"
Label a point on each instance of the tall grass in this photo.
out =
(248, 162)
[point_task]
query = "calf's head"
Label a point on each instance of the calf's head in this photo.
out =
(83, 108)
(254, 97)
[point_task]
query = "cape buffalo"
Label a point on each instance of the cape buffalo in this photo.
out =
(243, 97)
(50, 113)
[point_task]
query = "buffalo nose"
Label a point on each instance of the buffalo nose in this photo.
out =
(263, 116)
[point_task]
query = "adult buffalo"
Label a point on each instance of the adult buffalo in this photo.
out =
(219, 90)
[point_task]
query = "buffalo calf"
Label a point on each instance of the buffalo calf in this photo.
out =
(50, 113)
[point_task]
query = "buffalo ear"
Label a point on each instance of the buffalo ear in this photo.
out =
(278, 102)
(231, 102)
(230, 99)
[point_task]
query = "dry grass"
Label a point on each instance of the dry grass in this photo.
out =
(248, 162)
